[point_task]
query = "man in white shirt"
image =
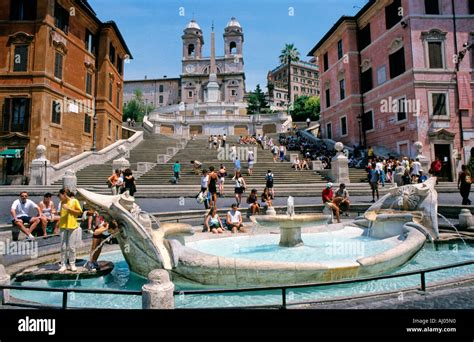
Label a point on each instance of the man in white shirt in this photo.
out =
(21, 214)
(234, 220)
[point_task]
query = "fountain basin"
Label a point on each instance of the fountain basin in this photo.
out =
(290, 226)
(208, 268)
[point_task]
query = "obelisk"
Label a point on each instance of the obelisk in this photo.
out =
(212, 87)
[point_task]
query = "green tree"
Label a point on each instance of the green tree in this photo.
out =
(257, 102)
(137, 108)
(306, 107)
(289, 52)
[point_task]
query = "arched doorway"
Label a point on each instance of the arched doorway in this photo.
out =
(269, 129)
(195, 129)
(167, 129)
(241, 130)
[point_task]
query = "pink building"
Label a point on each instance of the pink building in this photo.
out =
(390, 77)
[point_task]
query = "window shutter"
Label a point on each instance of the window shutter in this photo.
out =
(6, 115)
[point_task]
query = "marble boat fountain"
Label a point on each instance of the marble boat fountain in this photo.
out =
(406, 217)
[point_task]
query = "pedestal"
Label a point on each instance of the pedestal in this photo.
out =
(340, 169)
(290, 237)
(158, 292)
(120, 164)
(317, 165)
(70, 180)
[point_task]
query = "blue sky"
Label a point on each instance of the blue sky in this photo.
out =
(153, 29)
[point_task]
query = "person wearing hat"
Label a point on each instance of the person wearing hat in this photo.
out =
(328, 198)
(342, 198)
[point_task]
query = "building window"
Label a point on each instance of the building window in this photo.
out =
(343, 126)
(191, 50)
(342, 89)
(111, 89)
(61, 18)
(435, 53)
(20, 59)
(393, 14)
(340, 50)
(90, 42)
(119, 65)
(368, 121)
(439, 104)
(87, 123)
(471, 6)
(397, 63)
(89, 83)
(432, 7)
(160, 99)
(58, 66)
(56, 112)
(16, 115)
(329, 131)
(326, 61)
(116, 133)
(117, 104)
(234, 92)
(381, 75)
(328, 98)
(161, 88)
(401, 109)
(233, 48)
(112, 53)
(110, 128)
(22, 9)
(364, 37)
(190, 94)
(366, 81)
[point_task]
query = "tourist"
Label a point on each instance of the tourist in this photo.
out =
(343, 194)
(224, 139)
(202, 196)
(370, 152)
(112, 182)
(196, 167)
(233, 152)
(221, 182)
(193, 138)
(275, 153)
(374, 180)
(328, 197)
(464, 184)
(305, 163)
(21, 211)
(234, 220)
(213, 223)
(237, 165)
(177, 171)
(308, 122)
(129, 183)
(92, 218)
(251, 162)
(210, 142)
(240, 186)
(435, 169)
(406, 179)
(269, 182)
(214, 141)
(70, 234)
(415, 170)
(219, 141)
(49, 215)
(282, 153)
(252, 201)
(100, 234)
(260, 141)
(267, 198)
(422, 178)
(297, 164)
(212, 187)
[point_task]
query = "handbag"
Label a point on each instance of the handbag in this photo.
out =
(468, 179)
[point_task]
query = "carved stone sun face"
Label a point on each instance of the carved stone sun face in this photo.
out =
(407, 198)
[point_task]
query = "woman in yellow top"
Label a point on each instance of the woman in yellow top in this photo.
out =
(70, 210)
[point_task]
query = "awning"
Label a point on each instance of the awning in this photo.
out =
(10, 154)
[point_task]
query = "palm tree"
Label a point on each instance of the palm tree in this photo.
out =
(289, 52)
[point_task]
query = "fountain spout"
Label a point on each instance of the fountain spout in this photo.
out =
(290, 211)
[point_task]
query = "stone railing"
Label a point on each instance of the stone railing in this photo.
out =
(43, 173)
(147, 125)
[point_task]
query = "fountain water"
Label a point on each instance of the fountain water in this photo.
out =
(453, 226)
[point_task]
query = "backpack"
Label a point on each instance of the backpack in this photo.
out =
(270, 178)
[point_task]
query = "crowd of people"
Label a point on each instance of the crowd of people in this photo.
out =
(121, 181)
(62, 220)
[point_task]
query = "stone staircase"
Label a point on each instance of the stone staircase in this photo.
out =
(146, 151)
(199, 150)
